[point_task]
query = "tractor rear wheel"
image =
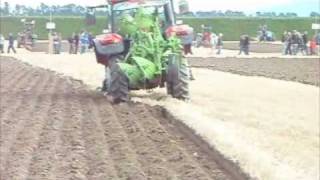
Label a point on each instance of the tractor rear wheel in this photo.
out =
(106, 82)
(119, 84)
(177, 79)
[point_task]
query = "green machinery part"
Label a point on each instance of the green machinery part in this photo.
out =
(149, 52)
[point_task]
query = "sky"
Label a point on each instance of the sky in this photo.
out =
(302, 7)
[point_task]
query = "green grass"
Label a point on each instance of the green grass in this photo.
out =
(232, 28)
(65, 25)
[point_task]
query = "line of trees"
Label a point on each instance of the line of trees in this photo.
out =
(230, 13)
(76, 10)
(44, 10)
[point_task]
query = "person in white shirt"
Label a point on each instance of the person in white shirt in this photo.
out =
(2, 39)
(213, 41)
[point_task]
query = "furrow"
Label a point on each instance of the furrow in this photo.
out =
(99, 159)
(10, 79)
(156, 166)
(181, 162)
(121, 150)
(202, 158)
(73, 152)
(25, 144)
(13, 117)
(43, 159)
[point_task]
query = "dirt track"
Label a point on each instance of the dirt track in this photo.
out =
(55, 128)
(256, 47)
(306, 71)
(42, 46)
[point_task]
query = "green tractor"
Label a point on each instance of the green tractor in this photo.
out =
(143, 49)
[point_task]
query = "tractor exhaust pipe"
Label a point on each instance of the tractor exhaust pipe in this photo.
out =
(169, 13)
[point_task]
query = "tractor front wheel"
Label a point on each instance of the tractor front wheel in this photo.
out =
(119, 84)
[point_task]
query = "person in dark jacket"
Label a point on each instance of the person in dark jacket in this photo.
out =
(295, 42)
(241, 44)
(219, 43)
(76, 39)
(71, 43)
(11, 43)
(91, 43)
(244, 44)
(305, 43)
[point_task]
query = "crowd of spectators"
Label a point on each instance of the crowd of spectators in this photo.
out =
(295, 42)
(83, 40)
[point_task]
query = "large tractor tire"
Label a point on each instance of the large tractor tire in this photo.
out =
(107, 80)
(119, 85)
(177, 80)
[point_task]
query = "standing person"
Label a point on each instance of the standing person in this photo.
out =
(318, 38)
(305, 42)
(2, 39)
(71, 43)
(55, 43)
(246, 44)
(295, 42)
(264, 32)
(91, 43)
(219, 43)
(213, 42)
(76, 40)
(285, 42)
(198, 40)
(59, 43)
(84, 42)
(187, 49)
(11, 43)
(241, 44)
(313, 46)
(288, 40)
(300, 44)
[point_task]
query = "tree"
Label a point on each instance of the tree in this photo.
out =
(18, 9)
(6, 10)
(45, 9)
(314, 14)
(258, 14)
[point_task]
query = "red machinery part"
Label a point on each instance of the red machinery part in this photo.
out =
(183, 32)
(107, 39)
(107, 45)
(179, 30)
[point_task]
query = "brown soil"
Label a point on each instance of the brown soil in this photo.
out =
(306, 71)
(55, 128)
(256, 47)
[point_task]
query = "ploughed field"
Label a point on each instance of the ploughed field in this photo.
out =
(55, 128)
(305, 71)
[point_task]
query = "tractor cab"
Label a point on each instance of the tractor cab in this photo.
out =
(128, 9)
